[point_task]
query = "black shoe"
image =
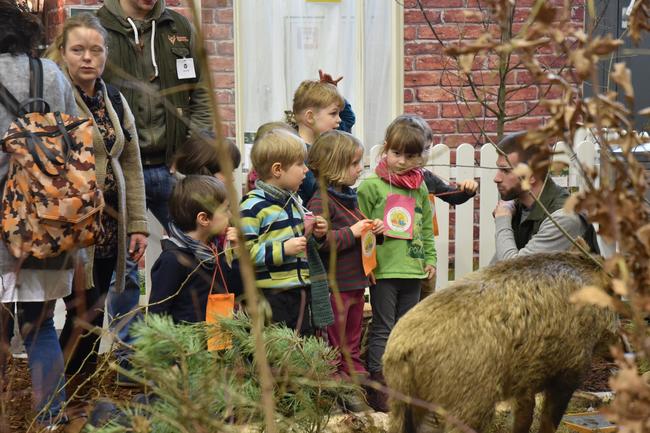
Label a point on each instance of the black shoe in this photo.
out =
(354, 403)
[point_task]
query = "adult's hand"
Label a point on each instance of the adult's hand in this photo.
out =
(504, 208)
(137, 246)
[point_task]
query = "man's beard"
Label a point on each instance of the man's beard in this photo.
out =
(511, 194)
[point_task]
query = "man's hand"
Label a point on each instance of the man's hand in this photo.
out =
(137, 246)
(430, 271)
(327, 78)
(295, 246)
(504, 208)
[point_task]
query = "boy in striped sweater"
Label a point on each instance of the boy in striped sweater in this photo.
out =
(272, 220)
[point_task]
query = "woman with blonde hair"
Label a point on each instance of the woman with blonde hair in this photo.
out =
(81, 50)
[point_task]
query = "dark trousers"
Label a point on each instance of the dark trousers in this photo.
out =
(390, 299)
(291, 308)
(80, 346)
(347, 324)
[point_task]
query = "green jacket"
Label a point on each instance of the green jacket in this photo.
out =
(161, 103)
(398, 258)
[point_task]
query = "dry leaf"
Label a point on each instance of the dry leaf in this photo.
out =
(570, 203)
(592, 295)
(619, 287)
(465, 62)
(623, 77)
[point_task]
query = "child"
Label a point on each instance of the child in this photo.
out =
(396, 193)
(199, 155)
(316, 108)
(263, 129)
(191, 265)
(336, 157)
(273, 226)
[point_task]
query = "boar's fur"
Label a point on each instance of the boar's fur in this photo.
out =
(504, 332)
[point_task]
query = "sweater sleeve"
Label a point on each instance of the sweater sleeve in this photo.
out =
(263, 253)
(167, 277)
(547, 239)
(435, 185)
(367, 197)
(343, 237)
(133, 177)
(200, 105)
(348, 118)
(428, 240)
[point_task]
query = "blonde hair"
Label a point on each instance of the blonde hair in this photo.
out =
(315, 94)
(270, 126)
(408, 133)
(84, 20)
(332, 154)
(277, 145)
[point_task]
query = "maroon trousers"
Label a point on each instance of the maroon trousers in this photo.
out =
(347, 322)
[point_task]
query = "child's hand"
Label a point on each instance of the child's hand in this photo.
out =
(469, 186)
(430, 271)
(232, 236)
(359, 227)
(295, 246)
(320, 227)
(378, 227)
(327, 78)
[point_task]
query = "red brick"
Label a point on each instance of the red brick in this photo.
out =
(462, 110)
(432, 63)
(536, 109)
(421, 78)
(409, 62)
(454, 140)
(222, 64)
(225, 96)
(215, 3)
(434, 94)
(410, 33)
(217, 31)
(416, 16)
(223, 81)
(522, 94)
(408, 95)
(462, 16)
(444, 32)
(477, 125)
(450, 78)
(415, 47)
(523, 124)
(443, 126)
(207, 16)
(226, 48)
(426, 111)
(225, 16)
(442, 3)
(227, 112)
(210, 47)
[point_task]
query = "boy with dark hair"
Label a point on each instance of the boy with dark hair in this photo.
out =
(191, 265)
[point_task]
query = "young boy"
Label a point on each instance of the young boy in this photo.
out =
(191, 266)
(273, 227)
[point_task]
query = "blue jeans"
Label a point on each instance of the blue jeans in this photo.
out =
(158, 185)
(45, 357)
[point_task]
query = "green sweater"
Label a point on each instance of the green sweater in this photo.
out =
(398, 258)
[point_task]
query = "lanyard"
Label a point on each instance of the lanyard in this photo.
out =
(217, 266)
(348, 210)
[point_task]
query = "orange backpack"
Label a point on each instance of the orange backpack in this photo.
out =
(51, 202)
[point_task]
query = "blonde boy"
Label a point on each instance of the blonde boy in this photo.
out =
(274, 230)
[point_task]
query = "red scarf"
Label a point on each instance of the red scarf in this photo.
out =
(410, 179)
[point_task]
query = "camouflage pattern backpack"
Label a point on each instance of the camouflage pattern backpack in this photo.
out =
(51, 202)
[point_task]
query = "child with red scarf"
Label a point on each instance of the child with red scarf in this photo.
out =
(396, 194)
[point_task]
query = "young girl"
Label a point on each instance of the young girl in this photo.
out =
(316, 108)
(396, 193)
(336, 157)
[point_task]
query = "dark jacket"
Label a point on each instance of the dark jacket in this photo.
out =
(160, 130)
(188, 304)
(435, 185)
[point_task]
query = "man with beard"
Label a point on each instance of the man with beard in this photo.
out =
(522, 226)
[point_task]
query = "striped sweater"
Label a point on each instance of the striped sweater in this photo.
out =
(349, 268)
(266, 224)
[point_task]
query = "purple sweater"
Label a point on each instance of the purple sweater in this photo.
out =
(349, 268)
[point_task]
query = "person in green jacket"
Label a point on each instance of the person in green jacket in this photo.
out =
(396, 193)
(153, 62)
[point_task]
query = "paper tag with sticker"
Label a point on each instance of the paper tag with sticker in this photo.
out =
(185, 68)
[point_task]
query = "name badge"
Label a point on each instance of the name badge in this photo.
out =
(185, 68)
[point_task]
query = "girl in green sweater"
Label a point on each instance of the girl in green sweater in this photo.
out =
(397, 195)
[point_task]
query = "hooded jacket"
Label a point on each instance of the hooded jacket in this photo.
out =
(142, 64)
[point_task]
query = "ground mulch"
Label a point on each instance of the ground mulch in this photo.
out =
(16, 411)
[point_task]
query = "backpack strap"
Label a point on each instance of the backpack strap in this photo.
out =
(116, 99)
(35, 103)
(9, 101)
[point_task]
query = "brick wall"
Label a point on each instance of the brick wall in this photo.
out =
(426, 68)
(217, 23)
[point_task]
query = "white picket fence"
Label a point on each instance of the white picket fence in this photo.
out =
(480, 164)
